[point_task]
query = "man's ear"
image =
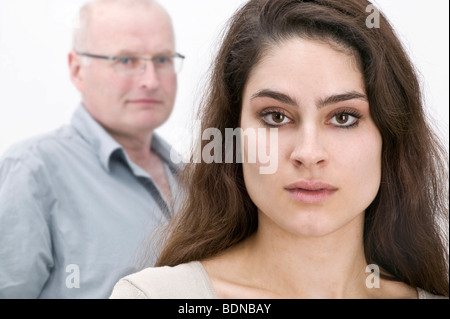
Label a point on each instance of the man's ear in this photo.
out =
(75, 69)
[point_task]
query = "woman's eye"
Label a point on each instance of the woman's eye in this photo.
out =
(275, 119)
(345, 119)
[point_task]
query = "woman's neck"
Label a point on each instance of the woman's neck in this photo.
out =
(328, 266)
(290, 265)
(275, 264)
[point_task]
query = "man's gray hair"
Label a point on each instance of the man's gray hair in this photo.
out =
(81, 25)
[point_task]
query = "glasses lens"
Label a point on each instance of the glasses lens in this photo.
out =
(135, 66)
(178, 63)
(128, 65)
(167, 64)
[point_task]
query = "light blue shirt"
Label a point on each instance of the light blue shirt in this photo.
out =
(75, 213)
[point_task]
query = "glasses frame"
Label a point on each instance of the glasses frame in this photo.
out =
(144, 65)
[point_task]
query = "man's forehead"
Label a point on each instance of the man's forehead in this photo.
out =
(130, 22)
(99, 4)
(102, 12)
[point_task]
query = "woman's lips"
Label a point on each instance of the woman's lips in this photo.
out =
(310, 192)
(310, 197)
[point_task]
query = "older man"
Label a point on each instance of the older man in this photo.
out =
(78, 205)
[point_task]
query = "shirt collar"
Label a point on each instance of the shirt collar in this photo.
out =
(105, 146)
(95, 135)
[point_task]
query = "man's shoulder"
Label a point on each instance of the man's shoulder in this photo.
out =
(41, 145)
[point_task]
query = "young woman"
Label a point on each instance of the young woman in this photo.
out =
(358, 204)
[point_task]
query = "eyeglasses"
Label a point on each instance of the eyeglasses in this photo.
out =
(130, 65)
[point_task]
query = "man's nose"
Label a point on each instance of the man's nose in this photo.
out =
(149, 78)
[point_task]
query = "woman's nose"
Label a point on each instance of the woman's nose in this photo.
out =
(309, 148)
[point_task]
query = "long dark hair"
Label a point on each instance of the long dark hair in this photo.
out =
(406, 226)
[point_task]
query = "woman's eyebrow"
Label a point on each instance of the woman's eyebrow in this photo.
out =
(332, 99)
(284, 98)
(336, 98)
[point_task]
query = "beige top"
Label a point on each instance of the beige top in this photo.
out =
(184, 281)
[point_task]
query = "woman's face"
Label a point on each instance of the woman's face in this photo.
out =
(328, 150)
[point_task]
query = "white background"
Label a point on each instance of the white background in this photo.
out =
(36, 94)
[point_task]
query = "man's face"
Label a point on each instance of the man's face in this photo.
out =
(127, 104)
